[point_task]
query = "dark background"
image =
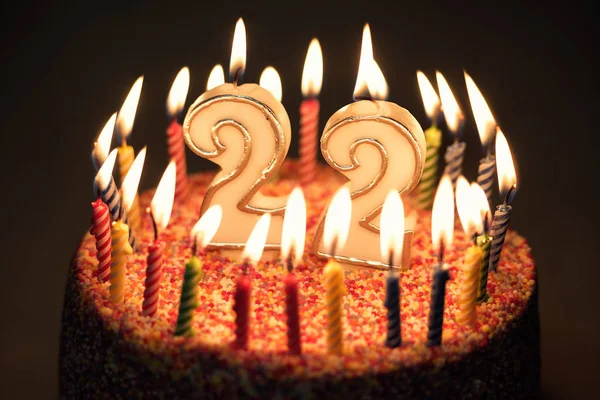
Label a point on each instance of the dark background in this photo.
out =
(66, 68)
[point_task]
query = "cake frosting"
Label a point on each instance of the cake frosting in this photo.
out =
(113, 351)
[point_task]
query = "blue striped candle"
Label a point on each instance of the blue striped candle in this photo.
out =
(455, 153)
(498, 233)
(392, 303)
(436, 307)
(486, 174)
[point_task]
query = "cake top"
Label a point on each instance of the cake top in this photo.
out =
(364, 315)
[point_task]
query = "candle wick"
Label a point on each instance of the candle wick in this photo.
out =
(441, 252)
(236, 76)
(289, 263)
(474, 238)
(509, 193)
(245, 267)
(391, 261)
(334, 245)
(195, 245)
(154, 227)
(486, 223)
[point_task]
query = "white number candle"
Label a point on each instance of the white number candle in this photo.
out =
(246, 131)
(378, 146)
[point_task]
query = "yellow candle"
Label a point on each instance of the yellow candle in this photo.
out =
(335, 290)
(126, 156)
(118, 265)
(469, 285)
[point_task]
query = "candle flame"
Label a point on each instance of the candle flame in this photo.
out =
(507, 176)
(365, 65)
(431, 100)
(216, 77)
(486, 124)
(312, 74)
(377, 84)
(467, 206)
(178, 92)
(102, 145)
(237, 63)
(294, 227)
(270, 80)
(450, 107)
(337, 221)
(162, 202)
(127, 112)
(442, 215)
(132, 180)
(391, 237)
(258, 238)
(104, 174)
(206, 227)
(480, 202)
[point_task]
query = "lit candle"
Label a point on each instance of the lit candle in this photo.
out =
(507, 183)
(392, 242)
(442, 229)
(292, 249)
(243, 288)
(118, 266)
(246, 131)
(101, 231)
(337, 223)
(378, 146)
(433, 139)
(105, 185)
(455, 122)
(312, 79)
(470, 218)
(102, 144)
(202, 233)
(125, 124)
(483, 240)
(129, 190)
(175, 144)
(160, 213)
(486, 127)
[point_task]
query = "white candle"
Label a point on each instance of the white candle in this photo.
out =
(378, 146)
(246, 131)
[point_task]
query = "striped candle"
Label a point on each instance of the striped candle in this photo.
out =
(118, 266)
(153, 278)
(290, 282)
(484, 241)
(436, 310)
(176, 149)
(101, 230)
(134, 215)
(189, 296)
(498, 233)
(309, 130)
(334, 292)
(486, 174)
(126, 156)
(469, 286)
(241, 307)
(428, 183)
(111, 197)
(392, 303)
(454, 156)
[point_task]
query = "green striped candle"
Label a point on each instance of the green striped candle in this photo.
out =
(484, 241)
(189, 296)
(428, 183)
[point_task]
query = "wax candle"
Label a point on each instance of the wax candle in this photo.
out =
(391, 246)
(433, 140)
(175, 144)
(312, 79)
(442, 228)
(129, 191)
(486, 127)
(118, 266)
(292, 249)
(102, 145)
(160, 213)
(483, 239)
(455, 122)
(378, 146)
(201, 234)
(243, 288)
(105, 185)
(246, 131)
(335, 233)
(101, 231)
(507, 182)
(469, 285)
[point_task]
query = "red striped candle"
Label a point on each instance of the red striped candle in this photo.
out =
(153, 278)
(101, 230)
(176, 148)
(291, 308)
(241, 307)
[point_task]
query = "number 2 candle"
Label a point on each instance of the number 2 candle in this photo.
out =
(246, 131)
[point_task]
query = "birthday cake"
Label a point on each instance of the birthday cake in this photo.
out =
(113, 351)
